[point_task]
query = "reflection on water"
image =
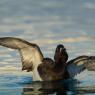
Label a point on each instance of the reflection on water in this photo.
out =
(23, 85)
(86, 90)
(50, 88)
(67, 87)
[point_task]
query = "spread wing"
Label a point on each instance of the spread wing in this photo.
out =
(30, 53)
(81, 63)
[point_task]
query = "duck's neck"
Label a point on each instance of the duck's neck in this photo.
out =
(59, 66)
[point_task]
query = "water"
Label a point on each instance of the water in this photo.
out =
(22, 85)
(47, 23)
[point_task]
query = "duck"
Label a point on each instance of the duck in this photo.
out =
(44, 68)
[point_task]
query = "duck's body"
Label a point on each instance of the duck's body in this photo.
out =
(68, 70)
(46, 69)
(54, 70)
(50, 74)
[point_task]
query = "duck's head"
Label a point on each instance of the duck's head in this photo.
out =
(60, 54)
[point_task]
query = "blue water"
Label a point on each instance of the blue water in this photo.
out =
(22, 85)
(47, 23)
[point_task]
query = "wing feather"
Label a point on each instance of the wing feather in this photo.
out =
(81, 63)
(29, 52)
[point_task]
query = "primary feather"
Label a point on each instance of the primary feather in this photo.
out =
(79, 64)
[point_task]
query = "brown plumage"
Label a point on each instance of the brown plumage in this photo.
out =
(46, 69)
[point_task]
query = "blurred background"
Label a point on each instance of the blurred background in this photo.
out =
(46, 23)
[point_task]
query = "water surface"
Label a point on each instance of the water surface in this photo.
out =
(47, 23)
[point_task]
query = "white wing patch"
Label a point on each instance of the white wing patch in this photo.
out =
(81, 61)
(30, 61)
(27, 57)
